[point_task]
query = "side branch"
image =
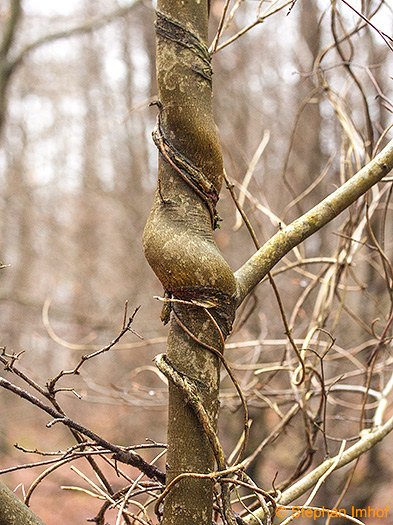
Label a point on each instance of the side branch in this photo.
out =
(9, 30)
(258, 266)
(86, 27)
(369, 438)
(120, 453)
(13, 511)
(10, 63)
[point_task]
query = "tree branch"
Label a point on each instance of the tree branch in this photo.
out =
(121, 454)
(8, 65)
(13, 511)
(257, 267)
(369, 438)
(85, 27)
(9, 31)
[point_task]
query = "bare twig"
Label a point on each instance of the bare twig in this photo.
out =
(121, 454)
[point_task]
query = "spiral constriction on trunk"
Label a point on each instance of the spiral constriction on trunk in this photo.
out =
(178, 237)
(179, 246)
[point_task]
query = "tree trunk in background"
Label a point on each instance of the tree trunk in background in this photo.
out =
(87, 211)
(308, 146)
(179, 246)
(6, 66)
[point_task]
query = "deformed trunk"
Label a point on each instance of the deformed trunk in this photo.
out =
(179, 245)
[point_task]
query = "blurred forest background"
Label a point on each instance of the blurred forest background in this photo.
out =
(300, 102)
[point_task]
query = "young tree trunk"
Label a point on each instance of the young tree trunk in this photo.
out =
(179, 245)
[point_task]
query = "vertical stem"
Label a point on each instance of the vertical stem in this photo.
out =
(191, 500)
(180, 248)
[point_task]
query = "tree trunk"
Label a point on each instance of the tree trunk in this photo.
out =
(179, 246)
(8, 35)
